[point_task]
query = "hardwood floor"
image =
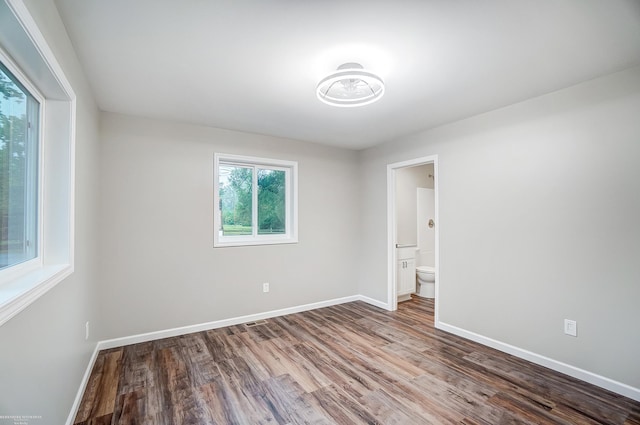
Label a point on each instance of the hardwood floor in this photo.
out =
(347, 364)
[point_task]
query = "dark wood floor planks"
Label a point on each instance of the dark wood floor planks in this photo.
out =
(346, 364)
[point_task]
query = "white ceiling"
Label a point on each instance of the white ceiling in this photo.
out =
(253, 65)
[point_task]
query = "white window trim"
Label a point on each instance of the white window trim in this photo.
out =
(291, 201)
(29, 57)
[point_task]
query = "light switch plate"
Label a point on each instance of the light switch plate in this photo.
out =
(570, 327)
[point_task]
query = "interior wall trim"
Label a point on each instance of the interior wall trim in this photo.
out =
(151, 336)
(558, 366)
(83, 386)
(374, 302)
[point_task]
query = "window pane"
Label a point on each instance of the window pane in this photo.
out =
(235, 184)
(271, 202)
(18, 171)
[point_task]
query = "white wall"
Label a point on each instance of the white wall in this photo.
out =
(426, 235)
(43, 353)
(159, 269)
(407, 181)
(539, 208)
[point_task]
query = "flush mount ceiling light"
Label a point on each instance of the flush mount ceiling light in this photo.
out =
(350, 86)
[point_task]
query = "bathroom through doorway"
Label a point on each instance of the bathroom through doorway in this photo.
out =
(412, 230)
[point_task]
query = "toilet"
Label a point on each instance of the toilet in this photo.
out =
(426, 277)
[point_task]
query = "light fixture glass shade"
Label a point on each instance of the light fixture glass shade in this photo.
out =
(350, 86)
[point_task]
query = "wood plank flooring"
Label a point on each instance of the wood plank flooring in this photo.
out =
(347, 364)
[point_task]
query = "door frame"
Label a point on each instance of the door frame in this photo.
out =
(392, 299)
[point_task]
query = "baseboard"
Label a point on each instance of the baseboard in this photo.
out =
(583, 375)
(150, 336)
(374, 302)
(83, 386)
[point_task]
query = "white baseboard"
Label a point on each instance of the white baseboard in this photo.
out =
(83, 386)
(374, 302)
(150, 336)
(583, 375)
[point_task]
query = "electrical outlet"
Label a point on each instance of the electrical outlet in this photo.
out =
(265, 287)
(86, 331)
(570, 327)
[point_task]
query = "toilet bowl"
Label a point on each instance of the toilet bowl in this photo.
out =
(426, 277)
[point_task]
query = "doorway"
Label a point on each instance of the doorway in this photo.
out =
(392, 228)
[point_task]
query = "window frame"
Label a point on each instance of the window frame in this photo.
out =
(35, 262)
(26, 53)
(291, 201)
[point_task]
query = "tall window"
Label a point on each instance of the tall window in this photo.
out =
(255, 201)
(19, 118)
(37, 157)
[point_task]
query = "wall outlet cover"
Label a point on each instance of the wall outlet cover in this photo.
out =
(570, 327)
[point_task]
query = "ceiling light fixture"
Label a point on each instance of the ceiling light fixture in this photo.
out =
(350, 86)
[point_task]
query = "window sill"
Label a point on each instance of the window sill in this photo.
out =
(254, 242)
(18, 293)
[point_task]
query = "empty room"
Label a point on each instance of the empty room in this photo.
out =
(319, 212)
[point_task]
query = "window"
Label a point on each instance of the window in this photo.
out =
(19, 126)
(255, 199)
(37, 163)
